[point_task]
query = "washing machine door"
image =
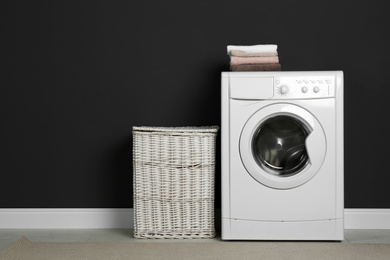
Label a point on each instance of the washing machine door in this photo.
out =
(282, 146)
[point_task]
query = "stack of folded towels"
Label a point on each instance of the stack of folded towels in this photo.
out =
(262, 57)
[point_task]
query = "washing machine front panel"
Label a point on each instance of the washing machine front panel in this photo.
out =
(252, 200)
(282, 146)
(313, 110)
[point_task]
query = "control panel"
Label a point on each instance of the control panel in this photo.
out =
(304, 87)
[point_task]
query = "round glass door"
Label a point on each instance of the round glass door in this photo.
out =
(278, 145)
(282, 146)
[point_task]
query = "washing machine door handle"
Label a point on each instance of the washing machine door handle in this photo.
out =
(316, 146)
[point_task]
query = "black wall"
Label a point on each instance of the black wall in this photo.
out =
(77, 75)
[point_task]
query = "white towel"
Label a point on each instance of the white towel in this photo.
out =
(253, 48)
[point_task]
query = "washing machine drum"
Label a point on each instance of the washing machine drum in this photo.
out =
(278, 145)
(282, 146)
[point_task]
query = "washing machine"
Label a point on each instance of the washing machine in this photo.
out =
(282, 155)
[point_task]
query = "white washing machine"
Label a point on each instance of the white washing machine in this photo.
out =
(282, 155)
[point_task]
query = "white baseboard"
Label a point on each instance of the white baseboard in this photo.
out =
(66, 218)
(123, 218)
(367, 218)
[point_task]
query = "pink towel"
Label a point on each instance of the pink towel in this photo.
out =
(253, 60)
(248, 54)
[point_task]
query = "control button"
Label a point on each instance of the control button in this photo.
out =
(327, 81)
(304, 89)
(316, 89)
(306, 81)
(283, 90)
(313, 81)
(277, 82)
(319, 81)
(299, 81)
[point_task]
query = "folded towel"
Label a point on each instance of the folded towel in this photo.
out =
(256, 67)
(253, 60)
(255, 54)
(253, 48)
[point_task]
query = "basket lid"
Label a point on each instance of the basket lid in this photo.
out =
(183, 129)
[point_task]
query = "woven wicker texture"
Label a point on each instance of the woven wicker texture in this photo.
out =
(173, 178)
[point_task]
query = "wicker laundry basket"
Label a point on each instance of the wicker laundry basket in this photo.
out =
(173, 179)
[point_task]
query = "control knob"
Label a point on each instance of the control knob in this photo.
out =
(283, 90)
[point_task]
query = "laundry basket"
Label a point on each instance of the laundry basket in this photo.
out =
(173, 180)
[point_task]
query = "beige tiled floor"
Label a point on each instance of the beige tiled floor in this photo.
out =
(9, 236)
